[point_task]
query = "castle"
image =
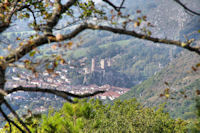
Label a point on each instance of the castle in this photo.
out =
(97, 65)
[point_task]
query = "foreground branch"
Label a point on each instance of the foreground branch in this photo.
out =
(10, 121)
(185, 45)
(16, 115)
(6, 23)
(186, 8)
(63, 94)
(41, 40)
(114, 6)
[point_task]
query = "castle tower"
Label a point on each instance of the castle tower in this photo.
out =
(102, 64)
(109, 62)
(171, 54)
(93, 65)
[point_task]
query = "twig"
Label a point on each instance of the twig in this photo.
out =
(66, 95)
(10, 126)
(186, 8)
(10, 121)
(114, 6)
(16, 115)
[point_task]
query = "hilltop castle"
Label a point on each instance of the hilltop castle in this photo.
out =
(102, 65)
(97, 65)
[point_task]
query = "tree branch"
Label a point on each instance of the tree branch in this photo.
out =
(16, 8)
(58, 11)
(4, 26)
(186, 8)
(63, 94)
(41, 40)
(114, 6)
(34, 17)
(10, 121)
(185, 45)
(8, 18)
(15, 114)
(10, 127)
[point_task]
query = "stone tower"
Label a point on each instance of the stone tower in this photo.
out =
(93, 65)
(102, 64)
(109, 62)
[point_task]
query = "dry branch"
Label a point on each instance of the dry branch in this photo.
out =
(41, 40)
(63, 94)
(186, 8)
(10, 121)
(114, 6)
(16, 115)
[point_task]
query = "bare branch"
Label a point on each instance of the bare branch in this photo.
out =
(10, 127)
(114, 6)
(15, 8)
(34, 17)
(63, 94)
(10, 121)
(81, 28)
(186, 8)
(68, 5)
(15, 114)
(58, 11)
(3, 27)
(122, 3)
(3, 93)
(7, 20)
(41, 40)
(26, 48)
(68, 25)
(185, 45)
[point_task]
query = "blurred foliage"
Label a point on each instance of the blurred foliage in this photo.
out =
(94, 116)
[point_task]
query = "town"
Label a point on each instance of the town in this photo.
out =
(60, 81)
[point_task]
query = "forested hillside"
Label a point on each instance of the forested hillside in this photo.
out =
(182, 79)
(126, 58)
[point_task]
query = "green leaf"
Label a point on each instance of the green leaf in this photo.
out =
(32, 53)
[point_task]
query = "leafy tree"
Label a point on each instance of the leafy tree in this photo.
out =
(93, 116)
(44, 18)
(195, 127)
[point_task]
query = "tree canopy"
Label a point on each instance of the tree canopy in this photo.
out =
(94, 116)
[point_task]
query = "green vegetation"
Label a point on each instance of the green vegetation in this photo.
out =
(182, 84)
(93, 116)
(125, 55)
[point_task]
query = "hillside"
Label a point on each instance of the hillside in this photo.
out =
(181, 80)
(126, 60)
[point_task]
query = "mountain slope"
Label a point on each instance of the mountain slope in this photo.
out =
(181, 80)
